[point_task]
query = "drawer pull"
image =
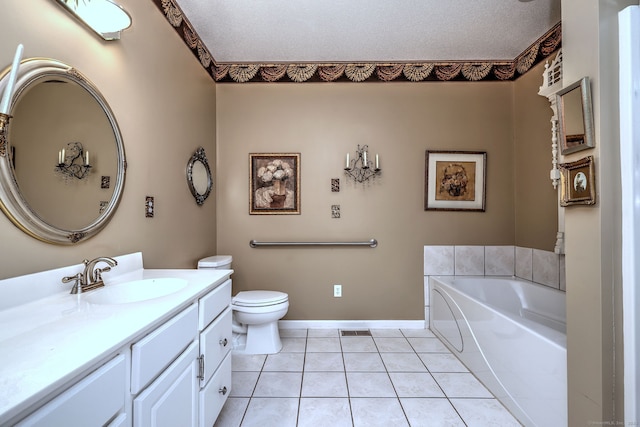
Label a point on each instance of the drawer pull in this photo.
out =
(201, 367)
(222, 391)
(224, 342)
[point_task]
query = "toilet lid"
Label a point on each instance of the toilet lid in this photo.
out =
(214, 261)
(258, 298)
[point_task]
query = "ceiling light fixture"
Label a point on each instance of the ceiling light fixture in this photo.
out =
(104, 17)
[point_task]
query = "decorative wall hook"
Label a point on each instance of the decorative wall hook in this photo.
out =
(361, 168)
(73, 162)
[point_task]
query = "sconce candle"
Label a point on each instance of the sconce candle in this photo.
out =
(76, 165)
(11, 83)
(361, 171)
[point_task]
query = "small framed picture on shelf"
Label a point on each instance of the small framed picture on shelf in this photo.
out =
(578, 182)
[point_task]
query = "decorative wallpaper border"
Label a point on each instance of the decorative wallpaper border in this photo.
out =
(359, 72)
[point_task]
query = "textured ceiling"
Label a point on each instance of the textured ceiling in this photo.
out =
(241, 31)
(249, 35)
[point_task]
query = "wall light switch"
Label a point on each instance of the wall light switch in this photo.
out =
(149, 207)
(105, 182)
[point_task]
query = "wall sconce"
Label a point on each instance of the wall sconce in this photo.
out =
(361, 168)
(73, 162)
(104, 17)
(5, 103)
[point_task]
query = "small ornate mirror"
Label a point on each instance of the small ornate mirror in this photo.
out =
(50, 187)
(199, 176)
(576, 117)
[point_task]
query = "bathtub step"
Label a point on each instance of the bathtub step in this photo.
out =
(362, 333)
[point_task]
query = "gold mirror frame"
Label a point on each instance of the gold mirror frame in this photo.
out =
(570, 142)
(12, 201)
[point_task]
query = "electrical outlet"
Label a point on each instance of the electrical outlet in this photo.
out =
(337, 291)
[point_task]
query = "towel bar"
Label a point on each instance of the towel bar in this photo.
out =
(371, 243)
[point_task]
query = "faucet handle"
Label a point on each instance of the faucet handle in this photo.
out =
(77, 279)
(97, 275)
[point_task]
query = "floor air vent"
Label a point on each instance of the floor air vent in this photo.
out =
(365, 333)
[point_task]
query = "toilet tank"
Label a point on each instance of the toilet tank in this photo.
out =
(220, 262)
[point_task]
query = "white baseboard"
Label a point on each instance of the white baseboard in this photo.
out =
(352, 324)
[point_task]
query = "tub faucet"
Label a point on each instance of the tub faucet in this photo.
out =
(91, 277)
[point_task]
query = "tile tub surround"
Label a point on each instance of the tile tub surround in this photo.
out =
(397, 377)
(543, 267)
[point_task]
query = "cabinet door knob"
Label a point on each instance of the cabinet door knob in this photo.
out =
(224, 342)
(222, 391)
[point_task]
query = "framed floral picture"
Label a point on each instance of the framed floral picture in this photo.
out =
(577, 182)
(455, 180)
(274, 184)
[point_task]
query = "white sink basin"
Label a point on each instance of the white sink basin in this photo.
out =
(136, 291)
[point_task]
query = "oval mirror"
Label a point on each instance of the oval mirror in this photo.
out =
(199, 176)
(63, 170)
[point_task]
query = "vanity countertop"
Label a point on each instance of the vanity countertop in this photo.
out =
(50, 341)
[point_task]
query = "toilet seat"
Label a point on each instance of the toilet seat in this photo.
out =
(259, 298)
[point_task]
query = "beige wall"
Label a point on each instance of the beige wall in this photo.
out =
(46, 120)
(165, 105)
(536, 201)
(593, 234)
(323, 121)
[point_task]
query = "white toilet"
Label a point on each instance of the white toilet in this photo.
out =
(255, 314)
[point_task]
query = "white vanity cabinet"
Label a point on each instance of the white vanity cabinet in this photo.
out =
(152, 354)
(171, 370)
(77, 405)
(171, 400)
(215, 352)
(181, 372)
(167, 373)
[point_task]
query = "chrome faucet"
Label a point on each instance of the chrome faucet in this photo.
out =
(91, 277)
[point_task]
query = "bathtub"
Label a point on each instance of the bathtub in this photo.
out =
(511, 334)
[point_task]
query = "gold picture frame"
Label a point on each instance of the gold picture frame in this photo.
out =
(578, 182)
(455, 180)
(274, 183)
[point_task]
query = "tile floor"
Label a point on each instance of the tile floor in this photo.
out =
(393, 378)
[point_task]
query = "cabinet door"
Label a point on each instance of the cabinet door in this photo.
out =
(213, 396)
(215, 343)
(121, 421)
(153, 353)
(93, 401)
(172, 399)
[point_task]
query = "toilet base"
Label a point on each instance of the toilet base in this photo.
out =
(259, 339)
